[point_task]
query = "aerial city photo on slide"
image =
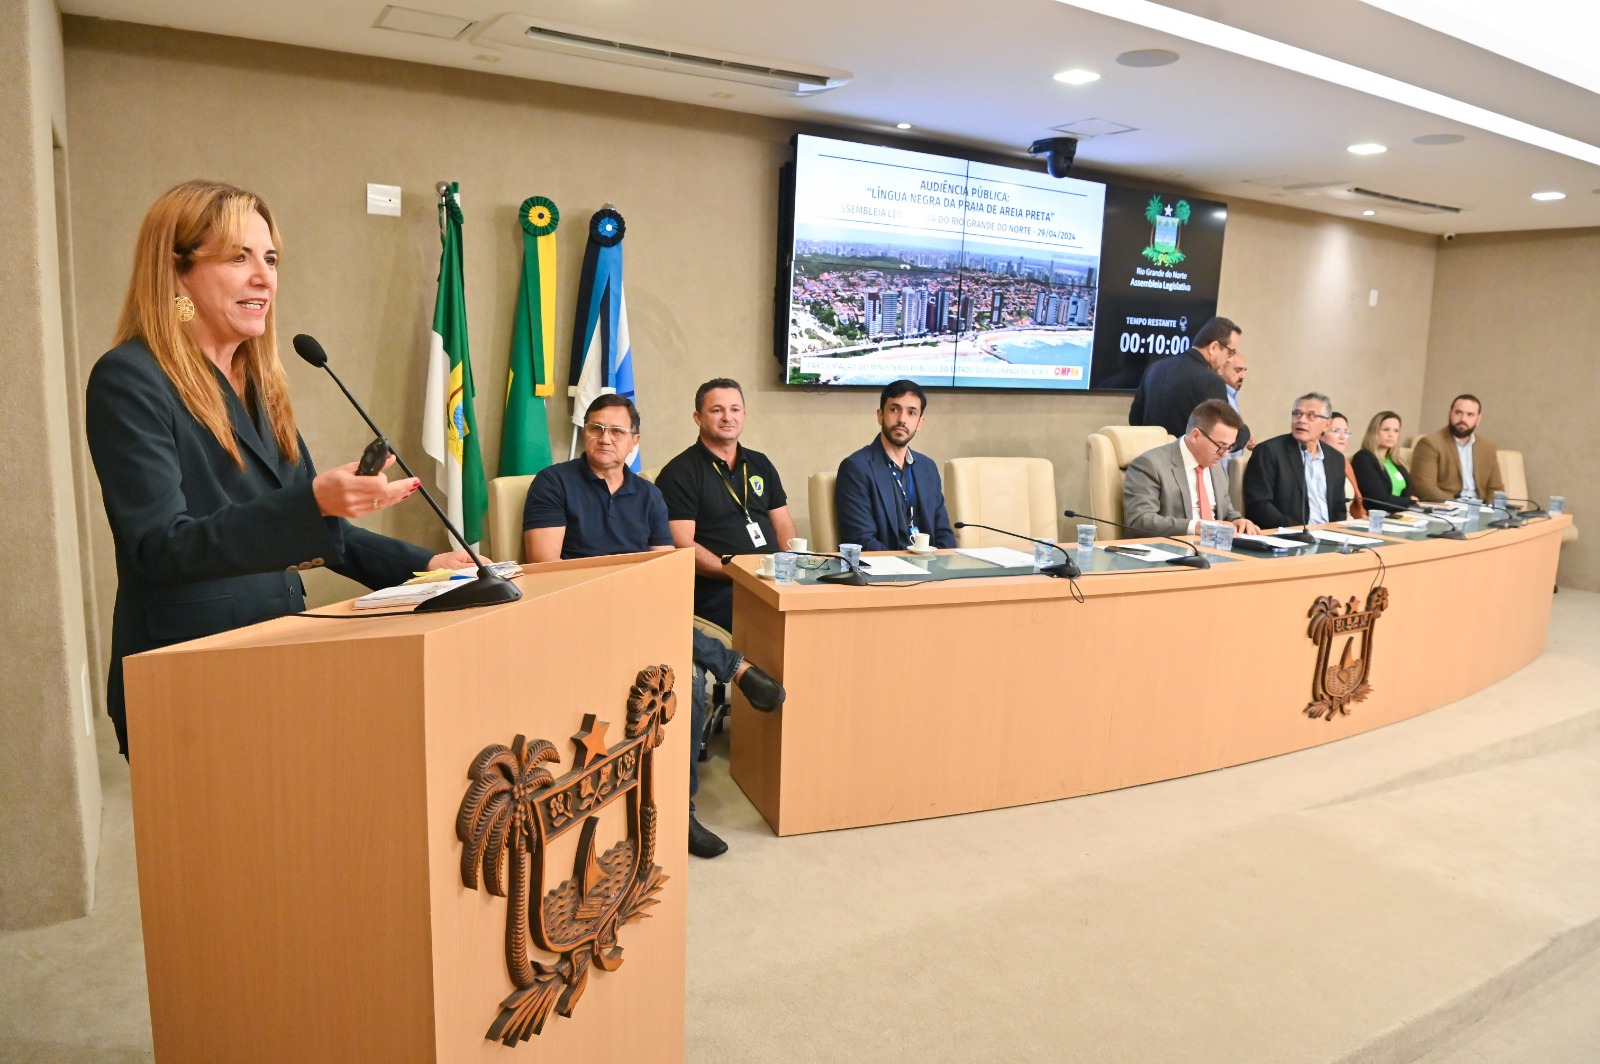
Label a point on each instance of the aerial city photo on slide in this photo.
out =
(944, 271)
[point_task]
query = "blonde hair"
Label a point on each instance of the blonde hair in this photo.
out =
(1369, 442)
(212, 216)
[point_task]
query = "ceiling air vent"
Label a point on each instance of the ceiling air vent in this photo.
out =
(1357, 194)
(518, 31)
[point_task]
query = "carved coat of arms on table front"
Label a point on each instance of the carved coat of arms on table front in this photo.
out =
(1336, 684)
(514, 808)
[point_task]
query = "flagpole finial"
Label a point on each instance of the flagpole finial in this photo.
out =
(608, 206)
(442, 188)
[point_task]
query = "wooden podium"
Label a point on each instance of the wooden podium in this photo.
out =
(297, 786)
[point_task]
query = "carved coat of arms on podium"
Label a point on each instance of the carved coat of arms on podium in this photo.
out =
(514, 808)
(1334, 685)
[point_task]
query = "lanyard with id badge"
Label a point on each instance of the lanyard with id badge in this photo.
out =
(757, 539)
(908, 492)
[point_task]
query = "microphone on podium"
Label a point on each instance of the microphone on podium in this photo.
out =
(1066, 567)
(1192, 561)
(487, 589)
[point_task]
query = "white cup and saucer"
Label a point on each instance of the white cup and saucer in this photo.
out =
(920, 544)
(768, 568)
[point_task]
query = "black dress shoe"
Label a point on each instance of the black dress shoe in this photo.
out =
(702, 843)
(764, 693)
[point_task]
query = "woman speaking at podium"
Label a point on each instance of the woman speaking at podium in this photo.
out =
(213, 501)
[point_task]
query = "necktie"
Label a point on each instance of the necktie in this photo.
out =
(1202, 501)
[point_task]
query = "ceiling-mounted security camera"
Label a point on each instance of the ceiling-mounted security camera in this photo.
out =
(1058, 154)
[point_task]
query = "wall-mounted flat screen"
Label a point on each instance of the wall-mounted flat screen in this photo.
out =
(955, 273)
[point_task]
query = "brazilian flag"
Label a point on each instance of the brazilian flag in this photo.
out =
(525, 437)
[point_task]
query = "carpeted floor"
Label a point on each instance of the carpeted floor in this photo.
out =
(1425, 892)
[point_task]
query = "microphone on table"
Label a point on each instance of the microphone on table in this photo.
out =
(1450, 531)
(1515, 518)
(1192, 561)
(488, 588)
(1064, 568)
(852, 574)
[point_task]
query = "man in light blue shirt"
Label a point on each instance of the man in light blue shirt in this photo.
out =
(1291, 479)
(1233, 371)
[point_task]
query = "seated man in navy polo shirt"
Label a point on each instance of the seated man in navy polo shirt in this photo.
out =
(595, 505)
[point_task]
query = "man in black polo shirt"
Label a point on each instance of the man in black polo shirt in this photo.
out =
(723, 498)
(595, 505)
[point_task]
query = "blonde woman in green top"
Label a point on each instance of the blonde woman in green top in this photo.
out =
(1383, 480)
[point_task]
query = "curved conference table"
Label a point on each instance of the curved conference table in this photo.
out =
(926, 699)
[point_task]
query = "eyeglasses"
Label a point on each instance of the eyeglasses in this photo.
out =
(618, 433)
(1232, 351)
(1307, 415)
(1222, 448)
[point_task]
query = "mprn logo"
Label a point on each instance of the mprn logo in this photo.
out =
(1165, 220)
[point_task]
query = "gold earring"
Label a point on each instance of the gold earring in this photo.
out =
(185, 308)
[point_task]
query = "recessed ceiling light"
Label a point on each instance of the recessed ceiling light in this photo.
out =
(1148, 57)
(1366, 149)
(902, 125)
(1165, 18)
(1077, 77)
(1368, 214)
(1434, 140)
(1549, 195)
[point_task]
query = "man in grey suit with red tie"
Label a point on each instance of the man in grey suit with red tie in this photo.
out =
(1169, 490)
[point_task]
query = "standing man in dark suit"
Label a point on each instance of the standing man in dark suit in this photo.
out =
(1174, 386)
(1293, 479)
(886, 492)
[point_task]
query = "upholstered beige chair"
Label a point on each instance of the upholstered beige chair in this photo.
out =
(1403, 455)
(1110, 451)
(1018, 494)
(824, 526)
(650, 474)
(507, 496)
(1236, 466)
(1514, 474)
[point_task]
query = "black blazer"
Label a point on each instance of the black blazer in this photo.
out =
(1376, 488)
(1275, 484)
(202, 545)
(866, 501)
(1170, 390)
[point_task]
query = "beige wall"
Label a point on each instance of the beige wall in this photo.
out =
(698, 187)
(1515, 321)
(49, 782)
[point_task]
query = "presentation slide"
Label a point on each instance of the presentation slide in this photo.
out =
(940, 270)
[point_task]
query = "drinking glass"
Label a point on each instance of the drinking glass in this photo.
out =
(784, 564)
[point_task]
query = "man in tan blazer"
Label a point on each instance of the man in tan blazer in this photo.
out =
(1169, 490)
(1439, 459)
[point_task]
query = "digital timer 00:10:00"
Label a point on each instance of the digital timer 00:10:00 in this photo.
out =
(1152, 344)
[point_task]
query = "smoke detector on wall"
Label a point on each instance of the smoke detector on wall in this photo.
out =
(521, 31)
